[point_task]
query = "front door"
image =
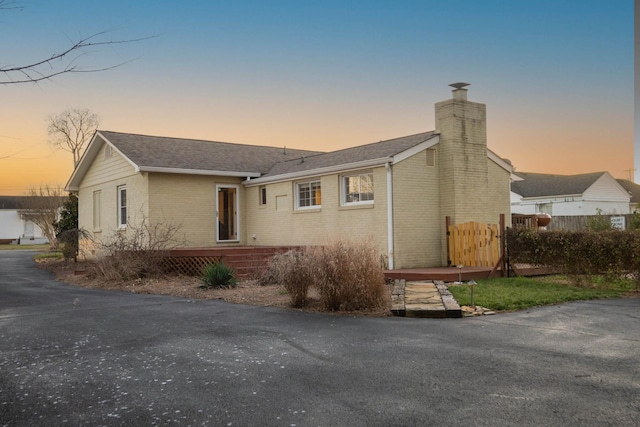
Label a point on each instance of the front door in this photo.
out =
(227, 213)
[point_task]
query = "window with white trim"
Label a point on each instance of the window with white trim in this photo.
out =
(122, 206)
(308, 195)
(357, 189)
(262, 191)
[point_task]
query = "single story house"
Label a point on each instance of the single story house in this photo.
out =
(568, 195)
(14, 229)
(396, 192)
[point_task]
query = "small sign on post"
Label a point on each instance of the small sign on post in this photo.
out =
(618, 222)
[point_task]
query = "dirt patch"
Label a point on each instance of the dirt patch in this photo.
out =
(247, 292)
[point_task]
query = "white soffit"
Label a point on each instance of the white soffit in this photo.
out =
(501, 162)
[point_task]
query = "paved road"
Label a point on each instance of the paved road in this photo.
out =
(71, 356)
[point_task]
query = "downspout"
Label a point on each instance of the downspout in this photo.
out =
(390, 214)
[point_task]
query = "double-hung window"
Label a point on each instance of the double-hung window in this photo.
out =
(357, 189)
(262, 191)
(308, 195)
(122, 206)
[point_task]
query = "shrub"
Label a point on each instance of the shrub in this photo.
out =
(69, 240)
(66, 228)
(580, 254)
(218, 275)
(598, 222)
(293, 270)
(634, 221)
(137, 252)
(349, 275)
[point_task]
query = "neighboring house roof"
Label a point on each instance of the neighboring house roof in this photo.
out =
(18, 202)
(545, 185)
(26, 203)
(9, 202)
(632, 188)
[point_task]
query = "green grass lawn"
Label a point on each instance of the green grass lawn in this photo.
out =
(44, 251)
(44, 247)
(517, 293)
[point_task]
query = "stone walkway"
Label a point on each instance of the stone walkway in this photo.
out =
(423, 299)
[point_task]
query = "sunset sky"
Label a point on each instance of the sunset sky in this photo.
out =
(556, 75)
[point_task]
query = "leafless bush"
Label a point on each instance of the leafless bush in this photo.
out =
(293, 271)
(139, 251)
(348, 275)
(41, 206)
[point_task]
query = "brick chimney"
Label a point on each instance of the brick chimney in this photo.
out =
(462, 158)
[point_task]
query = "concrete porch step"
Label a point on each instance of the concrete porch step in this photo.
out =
(430, 299)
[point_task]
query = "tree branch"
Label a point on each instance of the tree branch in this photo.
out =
(46, 69)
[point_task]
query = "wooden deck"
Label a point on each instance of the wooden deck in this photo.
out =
(454, 274)
(445, 274)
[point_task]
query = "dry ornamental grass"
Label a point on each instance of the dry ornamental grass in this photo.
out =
(248, 292)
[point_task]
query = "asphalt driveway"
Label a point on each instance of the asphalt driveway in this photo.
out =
(72, 356)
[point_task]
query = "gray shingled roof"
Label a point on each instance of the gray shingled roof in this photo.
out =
(377, 150)
(9, 202)
(632, 188)
(193, 154)
(20, 202)
(541, 185)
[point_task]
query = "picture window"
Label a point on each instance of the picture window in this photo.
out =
(357, 189)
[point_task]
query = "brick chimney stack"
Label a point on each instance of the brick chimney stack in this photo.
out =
(462, 158)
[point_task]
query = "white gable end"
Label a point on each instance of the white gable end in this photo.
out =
(607, 188)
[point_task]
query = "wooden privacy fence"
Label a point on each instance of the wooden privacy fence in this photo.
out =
(473, 244)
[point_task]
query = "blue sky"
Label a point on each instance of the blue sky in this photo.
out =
(557, 76)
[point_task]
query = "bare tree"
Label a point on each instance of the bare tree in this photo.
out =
(71, 130)
(41, 206)
(66, 61)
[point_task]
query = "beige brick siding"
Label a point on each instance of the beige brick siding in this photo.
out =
(416, 213)
(190, 202)
(316, 226)
(463, 160)
(106, 175)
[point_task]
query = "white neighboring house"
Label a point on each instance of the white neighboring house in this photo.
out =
(634, 191)
(568, 195)
(14, 229)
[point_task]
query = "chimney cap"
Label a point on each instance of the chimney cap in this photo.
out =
(459, 85)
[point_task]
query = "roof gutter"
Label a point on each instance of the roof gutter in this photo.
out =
(196, 171)
(319, 171)
(555, 196)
